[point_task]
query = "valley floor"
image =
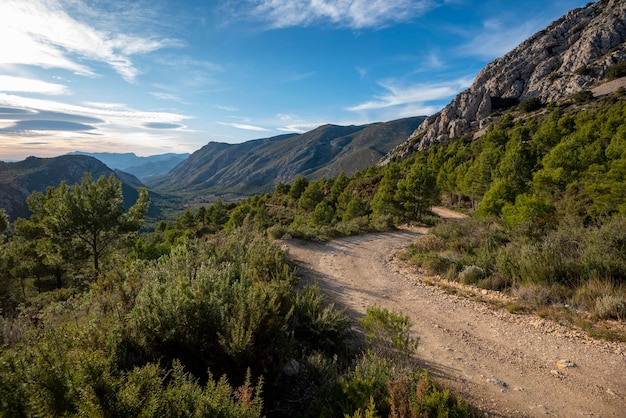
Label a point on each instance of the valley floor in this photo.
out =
(505, 364)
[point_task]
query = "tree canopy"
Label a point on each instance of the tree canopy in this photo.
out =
(90, 214)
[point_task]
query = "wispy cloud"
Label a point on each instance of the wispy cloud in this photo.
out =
(289, 122)
(413, 95)
(497, 36)
(227, 108)
(292, 78)
(355, 14)
(105, 105)
(91, 126)
(29, 85)
(245, 126)
(299, 128)
(167, 96)
(96, 115)
(43, 34)
(434, 61)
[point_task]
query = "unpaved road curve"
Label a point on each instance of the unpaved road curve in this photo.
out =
(504, 364)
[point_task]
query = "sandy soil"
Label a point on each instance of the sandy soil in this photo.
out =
(505, 364)
(608, 87)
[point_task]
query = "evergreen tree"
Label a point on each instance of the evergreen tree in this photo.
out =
(298, 187)
(417, 191)
(90, 213)
(4, 221)
(311, 196)
(383, 202)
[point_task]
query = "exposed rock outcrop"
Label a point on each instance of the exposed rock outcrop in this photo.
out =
(570, 55)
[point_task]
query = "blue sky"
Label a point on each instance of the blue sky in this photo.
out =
(159, 76)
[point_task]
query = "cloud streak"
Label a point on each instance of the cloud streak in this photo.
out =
(29, 85)
(124, 117)
(244, 126)
(355, 14)
(496, 37)
(45, 125)
(43, 34)
(412, 95)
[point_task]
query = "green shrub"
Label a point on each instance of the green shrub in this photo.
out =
(610, 307)
(277, 231)
(388, 331)
(616, 71)
(384, 222)
(531, 104)
(432, 262)
(583, 96)
(318, 326)
(226, 316)
(535, 296)
(495, 282)
(471, 274)
(428, 243)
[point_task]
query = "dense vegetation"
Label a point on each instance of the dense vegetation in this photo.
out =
(548, 193)
(205, 317)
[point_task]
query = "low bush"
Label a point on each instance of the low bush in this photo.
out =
(431, 262)
(616, 71)
(610, 307)
(471, 274)
(583, 96)
(388, 331)
(531, 104)
(428, 243)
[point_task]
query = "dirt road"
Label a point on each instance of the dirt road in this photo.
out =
(505, 364)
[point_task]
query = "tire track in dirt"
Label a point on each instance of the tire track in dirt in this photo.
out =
(504, 364)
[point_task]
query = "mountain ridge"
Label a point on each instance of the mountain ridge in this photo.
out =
(258, 165)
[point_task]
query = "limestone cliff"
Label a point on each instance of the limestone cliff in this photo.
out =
(570, 55)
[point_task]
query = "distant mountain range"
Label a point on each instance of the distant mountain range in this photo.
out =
(257, 166)
(143, 168)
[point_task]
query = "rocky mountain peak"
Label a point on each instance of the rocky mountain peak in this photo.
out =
(570, 55)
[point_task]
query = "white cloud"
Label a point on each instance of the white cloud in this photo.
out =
(28, 85)
(299, 128)
(111, 126)
(227, 108)
(245, 126)
(112, 114)
(167, 96)
(434, 61)
(399, 95)
(105, 105)
(497, 37)
(362, 72)
(356, 14)
(43, 34)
